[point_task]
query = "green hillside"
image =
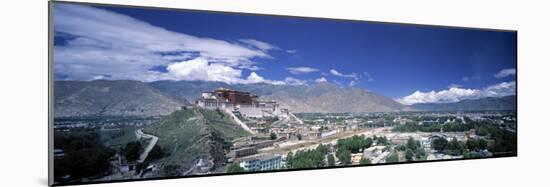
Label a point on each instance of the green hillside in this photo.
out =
(189, 135)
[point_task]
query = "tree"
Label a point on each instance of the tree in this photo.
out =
(85, 155)
(330, 160)
(234, 168)
(439, 144)
(382, 140)
(364, 161)
(482, 144)
(273, 136)
(155, 153)
(413, 144)
(401, 147)
(131, 150)
(306, 159)
(409, 155)
(455, 147)
(344, 155)
(393, 157)
(473, 144)
(289, 159)
(420, 154)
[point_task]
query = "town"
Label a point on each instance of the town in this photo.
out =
(274, 138)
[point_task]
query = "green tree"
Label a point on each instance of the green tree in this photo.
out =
(234, 168)
(482, 144)
(364, 161)
(409, 155)
(413, 144)
(394, 157)
(344, 155)
(439, 144)
(85, 155)
(330, 160)
(382, 140)
(420, 154)
(131, 150)
(289, 159)
(455, 147)
(155, 153)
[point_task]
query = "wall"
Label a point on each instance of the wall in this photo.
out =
(24, 92)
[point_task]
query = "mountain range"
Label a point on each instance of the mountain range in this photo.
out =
(134, 98)
(488, 103)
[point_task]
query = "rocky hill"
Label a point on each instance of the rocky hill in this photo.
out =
(189, 136)
(111, 98)
(326, 97)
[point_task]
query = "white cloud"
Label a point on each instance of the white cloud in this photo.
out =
(320, 80)
(337, 73)
(106, 43)
(259, 44)
(455, 94)
(291, 51)
(301, 70)
(200, 69)
(294, 81)
(501, 89)
(505, 73)
(454, 86)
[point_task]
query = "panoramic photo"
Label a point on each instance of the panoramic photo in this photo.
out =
(143, 93)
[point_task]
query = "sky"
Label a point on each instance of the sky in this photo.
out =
(411, 64)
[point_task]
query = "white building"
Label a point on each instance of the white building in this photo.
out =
(262, 163)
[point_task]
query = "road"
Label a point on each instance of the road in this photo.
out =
(152, 143)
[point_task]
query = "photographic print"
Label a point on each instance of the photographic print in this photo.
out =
(153, 93)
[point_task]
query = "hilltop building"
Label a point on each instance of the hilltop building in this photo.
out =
(245, 103)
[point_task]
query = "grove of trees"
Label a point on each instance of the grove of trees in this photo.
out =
(85, 156)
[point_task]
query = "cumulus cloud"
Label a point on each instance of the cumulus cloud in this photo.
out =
(200, 69)
(320, 80)
(301, 70)
(505, 73)
(101, 42)
(455, 94)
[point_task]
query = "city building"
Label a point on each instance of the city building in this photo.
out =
(262, 163)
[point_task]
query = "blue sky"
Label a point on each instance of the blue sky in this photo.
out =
(412, 64)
